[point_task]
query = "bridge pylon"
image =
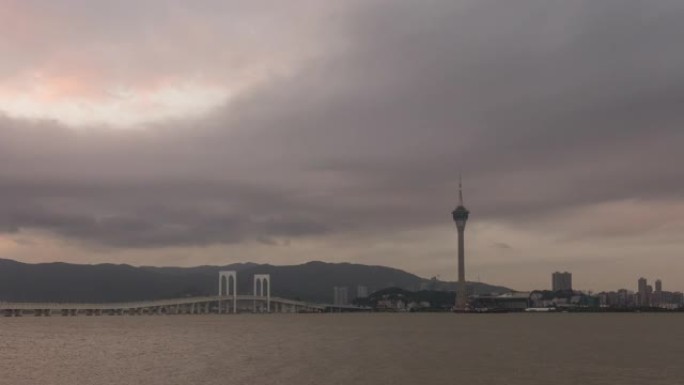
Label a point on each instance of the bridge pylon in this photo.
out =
(228, 280)
(262, 288)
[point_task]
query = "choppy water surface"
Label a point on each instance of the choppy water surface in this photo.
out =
(345, 349)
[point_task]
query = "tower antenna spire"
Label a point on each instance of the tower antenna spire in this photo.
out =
(460, 191)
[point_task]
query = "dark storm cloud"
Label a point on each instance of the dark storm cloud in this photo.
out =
(542, 105)
(150, 215)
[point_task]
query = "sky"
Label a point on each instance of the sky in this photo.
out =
(162, 132)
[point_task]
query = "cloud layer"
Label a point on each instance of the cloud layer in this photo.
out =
(345, 132)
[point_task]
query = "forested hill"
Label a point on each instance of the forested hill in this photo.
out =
(312, 281)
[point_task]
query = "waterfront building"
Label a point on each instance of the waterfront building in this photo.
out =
(678, 299)
(561, 281)
(625, 298)
(622, 298)
(513, 301)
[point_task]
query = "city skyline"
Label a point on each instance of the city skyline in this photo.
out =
(213, 132)
(565, 282)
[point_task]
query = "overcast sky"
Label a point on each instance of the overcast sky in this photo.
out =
(161, 132)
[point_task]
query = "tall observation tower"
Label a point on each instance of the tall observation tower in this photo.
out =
(460, 215)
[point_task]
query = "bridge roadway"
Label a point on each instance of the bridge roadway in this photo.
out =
(188, 305)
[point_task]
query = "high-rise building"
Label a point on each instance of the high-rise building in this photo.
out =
(361, 291)
(642, 285)
(643, 294)
(341, 295)
(561, 281)
(460, 215)
(659, 298)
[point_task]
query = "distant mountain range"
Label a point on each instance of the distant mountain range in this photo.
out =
(312, 281)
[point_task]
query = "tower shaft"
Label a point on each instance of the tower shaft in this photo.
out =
(461, 293)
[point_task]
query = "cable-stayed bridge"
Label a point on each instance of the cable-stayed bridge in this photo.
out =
(227, 301)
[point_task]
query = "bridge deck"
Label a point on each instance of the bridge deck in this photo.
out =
(150, 304)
